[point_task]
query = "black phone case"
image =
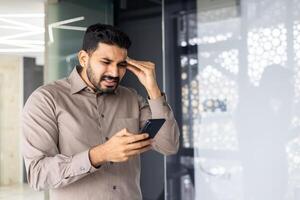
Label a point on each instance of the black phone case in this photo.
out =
(152, 126)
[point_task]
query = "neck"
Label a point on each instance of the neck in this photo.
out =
(85, 78)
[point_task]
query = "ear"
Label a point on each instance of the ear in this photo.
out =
(83, 58)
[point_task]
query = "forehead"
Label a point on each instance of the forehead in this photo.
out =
(112, 52)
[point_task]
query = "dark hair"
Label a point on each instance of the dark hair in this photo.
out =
(104, 33)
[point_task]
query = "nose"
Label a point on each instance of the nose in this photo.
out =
(113, 70)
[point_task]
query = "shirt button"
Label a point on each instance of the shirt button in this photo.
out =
(102, 115)
(82, 168)
(106, 138)
(114, 187)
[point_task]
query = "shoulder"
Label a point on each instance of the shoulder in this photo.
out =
(48, 92)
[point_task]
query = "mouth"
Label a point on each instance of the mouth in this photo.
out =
(110, 83)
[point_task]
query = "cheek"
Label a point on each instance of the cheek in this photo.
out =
(122, 72)
(98, 70)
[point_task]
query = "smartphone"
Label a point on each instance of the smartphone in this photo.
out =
(152, 126)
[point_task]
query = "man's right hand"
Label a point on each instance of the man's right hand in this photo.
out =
(120, 148)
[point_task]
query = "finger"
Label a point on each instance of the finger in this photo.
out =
(139, 151)
(139, 145)
(147, 64)
(134, 70)
(135, 138)
(144, 63)
(136, 64)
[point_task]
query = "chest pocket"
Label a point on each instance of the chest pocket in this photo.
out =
(131, 124)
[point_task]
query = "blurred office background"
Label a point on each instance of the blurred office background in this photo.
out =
(230, 69)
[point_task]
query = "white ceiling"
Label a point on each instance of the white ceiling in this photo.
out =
(22, 28)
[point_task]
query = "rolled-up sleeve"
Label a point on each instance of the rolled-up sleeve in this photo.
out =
(46, 168)
(167, 139)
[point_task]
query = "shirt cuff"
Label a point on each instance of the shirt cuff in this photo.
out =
(81, 163)
(158, 106)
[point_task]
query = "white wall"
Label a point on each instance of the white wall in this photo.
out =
(10, 115)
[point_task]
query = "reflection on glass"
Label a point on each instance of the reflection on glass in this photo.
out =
(266, 46)
(240, 99)
(296, 34)
(240, 78)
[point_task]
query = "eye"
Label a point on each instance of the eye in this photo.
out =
(105, 62)
(122, 65)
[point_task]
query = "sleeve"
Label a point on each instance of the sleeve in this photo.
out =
(166, 140)
(46, 168)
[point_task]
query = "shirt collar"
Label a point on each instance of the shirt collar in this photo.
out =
(78, 84)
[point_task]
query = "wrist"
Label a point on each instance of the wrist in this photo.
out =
(96, 155)
(154, 93)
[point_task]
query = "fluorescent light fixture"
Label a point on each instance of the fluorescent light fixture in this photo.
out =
(71, 56)
(60, 26)
(19, 45)
(13, 27)
(68, 21)
(21, 50)
(21, 24)
(35, 42)
(21, 35)
(22, 45)
(38, 15)
(50, 31)
(75, 28)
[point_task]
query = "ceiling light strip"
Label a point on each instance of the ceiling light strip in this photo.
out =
(39, 15)
(76, 28)
(22, 35)
(25, 25)
(21, 50)
(36, 42)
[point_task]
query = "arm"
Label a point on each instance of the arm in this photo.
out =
(167, 139)
(46, 168)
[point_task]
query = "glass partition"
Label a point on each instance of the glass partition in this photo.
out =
(236, 69)
(66, 22)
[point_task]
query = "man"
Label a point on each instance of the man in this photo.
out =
(81, 136)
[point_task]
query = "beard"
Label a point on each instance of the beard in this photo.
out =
(97, 83)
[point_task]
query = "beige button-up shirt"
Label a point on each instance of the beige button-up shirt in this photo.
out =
(64, 119)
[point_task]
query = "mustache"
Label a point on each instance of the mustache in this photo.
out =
(110, 78)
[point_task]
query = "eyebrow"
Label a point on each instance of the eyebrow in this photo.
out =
(109, 60)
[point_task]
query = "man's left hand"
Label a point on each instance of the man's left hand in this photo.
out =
(145, 71)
